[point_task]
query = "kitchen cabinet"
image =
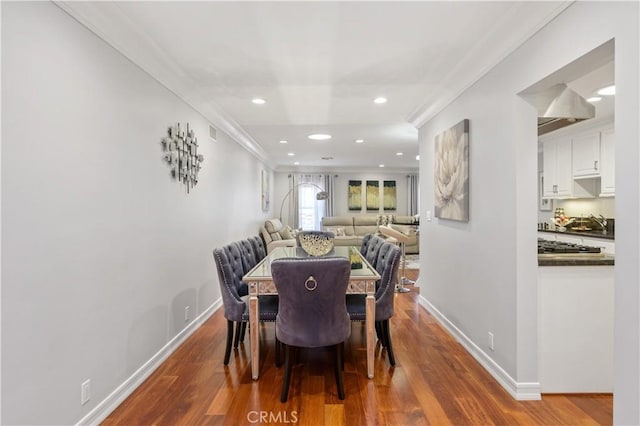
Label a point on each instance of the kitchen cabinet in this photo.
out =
(557, 168)
(585, 152)
(608, 160)
(557, 171)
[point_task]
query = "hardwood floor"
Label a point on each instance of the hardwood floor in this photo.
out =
(434, 382)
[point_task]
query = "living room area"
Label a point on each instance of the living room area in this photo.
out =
(350, 205)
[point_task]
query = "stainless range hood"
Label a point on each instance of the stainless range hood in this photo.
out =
(559, 106)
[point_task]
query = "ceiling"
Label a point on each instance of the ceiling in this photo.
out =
(318, 65)
(588, 85)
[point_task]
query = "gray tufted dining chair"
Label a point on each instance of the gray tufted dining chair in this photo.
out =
(248, 254)
(386, 263)
(230, 272)
(258, 245)
(370, 247)
(249, 258)
(312, 310)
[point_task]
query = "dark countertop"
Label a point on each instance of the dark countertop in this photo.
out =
(575, 259)
(586, 234)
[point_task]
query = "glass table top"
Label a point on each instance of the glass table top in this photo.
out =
(262, 271)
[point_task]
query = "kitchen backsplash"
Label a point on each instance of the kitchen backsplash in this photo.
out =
(604, 206)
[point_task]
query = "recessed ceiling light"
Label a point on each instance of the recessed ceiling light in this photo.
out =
(418, 157)
(283, 141)
(359, 140)
(259, 101)
(594, 99)
(319, 137)
(290, 154)
(607, 91)
(399, 153)
(380, 100)
(381, 165)
(295, 163)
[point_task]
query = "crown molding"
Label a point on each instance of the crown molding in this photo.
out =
(351, 170)
(426, 112)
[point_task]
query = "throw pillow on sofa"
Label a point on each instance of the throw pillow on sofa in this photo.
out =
(384, 219)
(337, 231)
(287, 233)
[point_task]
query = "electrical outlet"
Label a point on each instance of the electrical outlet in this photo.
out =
(186, 313)
(85, 392)
(428, 215)
(490, 340)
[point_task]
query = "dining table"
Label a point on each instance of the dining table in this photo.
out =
(362, 280)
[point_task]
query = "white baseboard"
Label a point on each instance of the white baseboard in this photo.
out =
(111, 402)
(520, 391)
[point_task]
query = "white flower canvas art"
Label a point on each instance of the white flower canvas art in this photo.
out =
(451, 169)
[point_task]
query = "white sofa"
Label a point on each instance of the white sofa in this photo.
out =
(275, 234)
(349, 230)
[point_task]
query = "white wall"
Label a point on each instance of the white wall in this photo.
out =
(492, 287)
(101, 249)
(341, 191)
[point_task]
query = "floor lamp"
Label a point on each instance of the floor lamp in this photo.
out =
(322, 195)
(400, 238)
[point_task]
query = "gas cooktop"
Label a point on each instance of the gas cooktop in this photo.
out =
(545, 246)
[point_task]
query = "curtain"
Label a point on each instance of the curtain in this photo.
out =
(413, 194)
(329, 186)
(292, 206)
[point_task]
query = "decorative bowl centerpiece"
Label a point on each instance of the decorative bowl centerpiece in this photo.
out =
(316, 243)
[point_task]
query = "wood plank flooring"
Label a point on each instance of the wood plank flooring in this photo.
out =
(435, 382)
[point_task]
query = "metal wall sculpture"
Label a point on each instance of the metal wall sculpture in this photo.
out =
(181, 153)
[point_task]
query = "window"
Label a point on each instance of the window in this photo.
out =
(310, 210)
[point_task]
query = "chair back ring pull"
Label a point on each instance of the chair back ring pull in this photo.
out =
(311, 280)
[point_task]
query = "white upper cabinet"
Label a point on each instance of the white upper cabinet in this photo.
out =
(581, 163)
(608, 160)
(586, 155)
(558, 178)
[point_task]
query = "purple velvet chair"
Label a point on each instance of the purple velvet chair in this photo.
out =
(228, 260)
(249, 258)
(258, 246)
(370, 246)
(312, 310)
(249, 255)
(386, 263)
